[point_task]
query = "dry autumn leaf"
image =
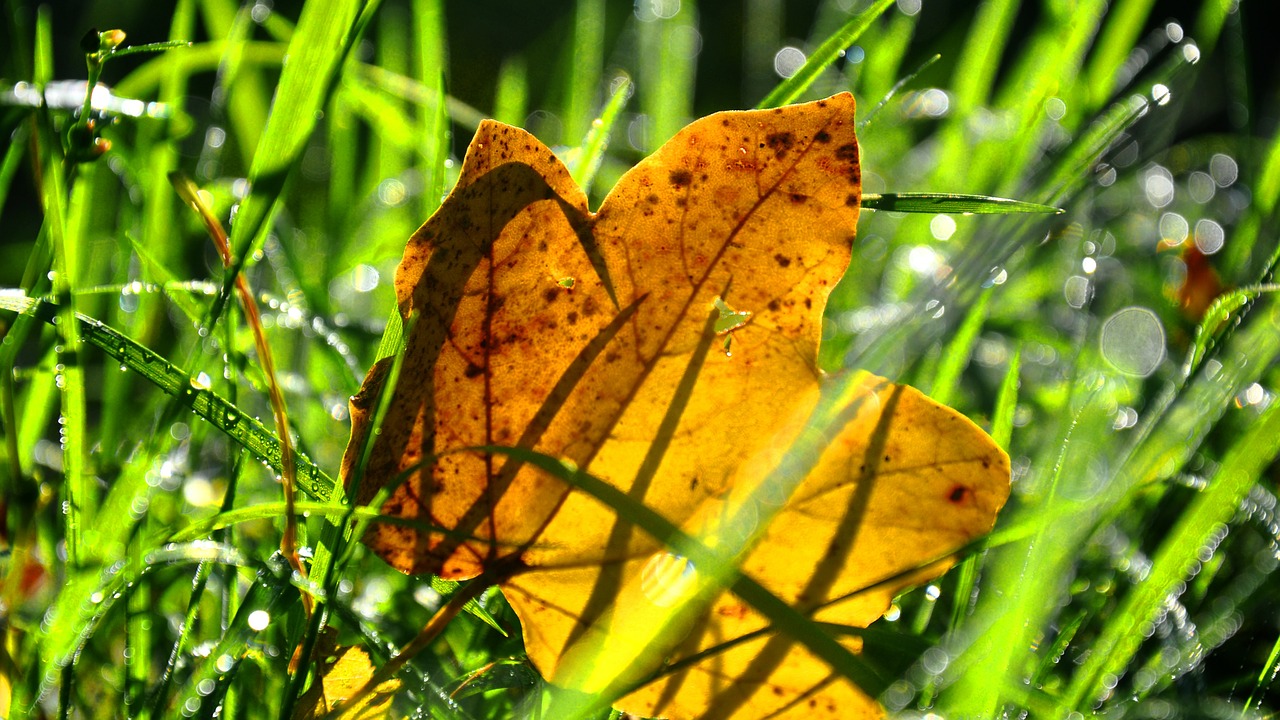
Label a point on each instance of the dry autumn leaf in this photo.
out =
(538, 324)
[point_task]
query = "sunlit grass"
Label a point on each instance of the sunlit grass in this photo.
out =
(1131, 574)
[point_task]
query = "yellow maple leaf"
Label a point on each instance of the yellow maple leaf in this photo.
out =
(541, 325)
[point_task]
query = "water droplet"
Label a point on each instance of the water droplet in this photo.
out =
(666, 578)
(259, 620)
(1133, 341)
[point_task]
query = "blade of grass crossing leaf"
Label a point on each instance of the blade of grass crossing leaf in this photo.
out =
(586, 58)
(609, 583)
(952, 203)
(1200, 528)
(446, 589)
(956, 355)
(352, 483)
(826, 53)
(591, 153)
(782, 616)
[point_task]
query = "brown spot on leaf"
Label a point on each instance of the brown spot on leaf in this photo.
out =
(780, 143)
(822, 136)
(782, 260)
(847, 152)
(681, 178)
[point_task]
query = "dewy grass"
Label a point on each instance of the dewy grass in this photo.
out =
(1133, 572)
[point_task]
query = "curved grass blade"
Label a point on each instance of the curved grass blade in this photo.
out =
(1215, 319)
(953, 203)
(246, 431)
(791, 88)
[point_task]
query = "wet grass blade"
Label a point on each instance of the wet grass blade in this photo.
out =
(952, 203)
(246, 431)
(1200, 527)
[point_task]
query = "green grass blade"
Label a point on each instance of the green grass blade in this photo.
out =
(1006, 402)
(955, 356)
(1125, 20)
(788, 90)
(585, 63)
(869, 117)
(584, 164)
(200, 57)
(325, 32)
(1266, 676)
(511, 99)
(665, 78)
(1215, 320)
(1244, 246)
(952, 203)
